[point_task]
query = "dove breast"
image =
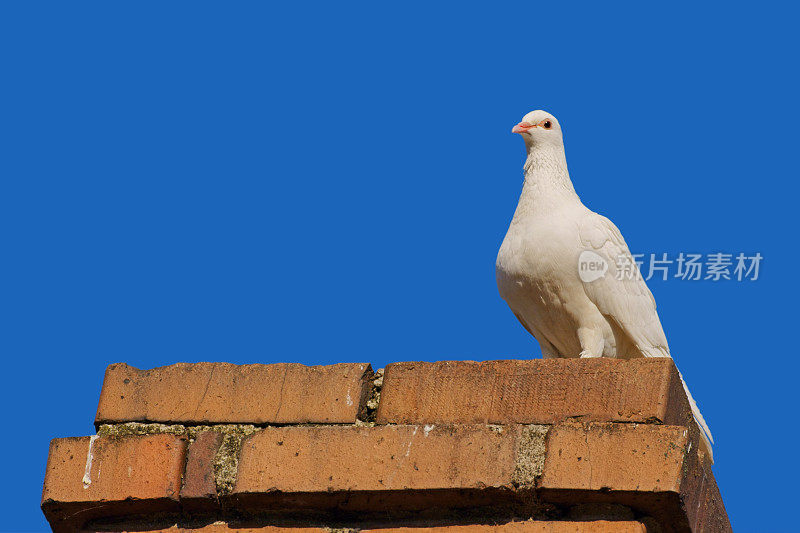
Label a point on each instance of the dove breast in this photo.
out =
(537, 275)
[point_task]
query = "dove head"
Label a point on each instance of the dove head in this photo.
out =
(539, 128)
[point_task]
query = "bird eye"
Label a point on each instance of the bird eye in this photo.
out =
(547, 124)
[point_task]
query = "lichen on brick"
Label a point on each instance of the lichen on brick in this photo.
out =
(374, 397)
(531, 450)
(128, 429)
(226, 462)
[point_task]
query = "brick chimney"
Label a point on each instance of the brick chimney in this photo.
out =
(540, 446)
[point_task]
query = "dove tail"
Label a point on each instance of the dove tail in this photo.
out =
(705, 433)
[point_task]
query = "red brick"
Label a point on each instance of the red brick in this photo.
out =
(599, 526)
(199, 490)
(221, 527)
(345, 461)
(87, 477)
(653, 469)
(395, 468)
(212, 393)
(533, 392)
(701, 497)
(622, 457)
(608, 449)
(530, 526)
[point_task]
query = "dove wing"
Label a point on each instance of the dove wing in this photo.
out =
(627, 301)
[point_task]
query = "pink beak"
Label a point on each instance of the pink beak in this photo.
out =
(521, 127)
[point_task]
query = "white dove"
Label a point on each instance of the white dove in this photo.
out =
(596, 312)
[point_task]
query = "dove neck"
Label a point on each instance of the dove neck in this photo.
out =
(546, 178)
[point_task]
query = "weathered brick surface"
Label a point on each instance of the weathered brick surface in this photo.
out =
(602, 456)
(354, 461)
(596, 526)
(653, 469)
(215, 393)
(530, 526)
(199, 490)
(236, 527)
(533, 392)
(705, 510)
(618, 436)
(96, 476)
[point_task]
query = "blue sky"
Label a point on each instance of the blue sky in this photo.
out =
(310, 182)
